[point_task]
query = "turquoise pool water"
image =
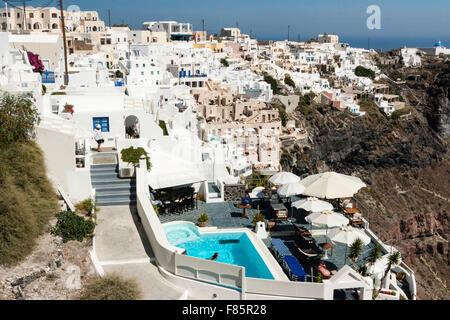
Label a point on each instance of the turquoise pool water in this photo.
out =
(233, 248)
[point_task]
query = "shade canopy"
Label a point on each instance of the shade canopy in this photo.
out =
(347, 235)
(331, 185)
(281, 178)
(327, 218)
(291, 189)
(312, 204)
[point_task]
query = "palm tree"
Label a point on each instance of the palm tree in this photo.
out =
(356, 248)
(393, 260)
(374, 254)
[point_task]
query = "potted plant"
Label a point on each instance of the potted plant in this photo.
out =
(259, 217)
(203, 219)
(68, 108)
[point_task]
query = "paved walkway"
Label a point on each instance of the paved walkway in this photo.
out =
(122, 247)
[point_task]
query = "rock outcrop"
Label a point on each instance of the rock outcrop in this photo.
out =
(405, 163)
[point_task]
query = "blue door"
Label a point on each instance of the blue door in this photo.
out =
(103, 122)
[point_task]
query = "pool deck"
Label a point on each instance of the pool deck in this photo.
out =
(227, 215)
(121, 247)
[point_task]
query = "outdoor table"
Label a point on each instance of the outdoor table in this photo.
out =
(244, 206)
(277, 208)
(325, 246)
(352, 211)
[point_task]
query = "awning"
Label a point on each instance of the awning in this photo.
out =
(172, 179)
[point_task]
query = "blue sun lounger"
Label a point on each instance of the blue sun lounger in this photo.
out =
(295, 269)
(280, 248)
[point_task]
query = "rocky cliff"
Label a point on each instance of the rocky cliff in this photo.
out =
(403, 159)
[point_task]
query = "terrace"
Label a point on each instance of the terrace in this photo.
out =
(227, 215)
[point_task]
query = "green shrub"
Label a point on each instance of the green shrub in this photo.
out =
(360, 71)
(395, 75)
(112, 287)
(86, 206)
(71, 226)
(18, 116)
(203, 218)
(259, 217)
(398, 113)
(132, 156)
(283, 116)
(162, 124)
(273, 83)
(224, 62)
(288, 80)
(58, 93)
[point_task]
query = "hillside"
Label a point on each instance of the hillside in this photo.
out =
(404, 161)
(27, 200)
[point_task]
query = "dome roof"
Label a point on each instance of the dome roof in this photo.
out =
(438, 44)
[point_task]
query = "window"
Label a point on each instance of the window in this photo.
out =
(42, 15)
(54, 15)
(18, 15)
(103, 122)
(31, 15)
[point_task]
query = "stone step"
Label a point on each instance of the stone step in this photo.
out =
(109, 182)
(115, 189)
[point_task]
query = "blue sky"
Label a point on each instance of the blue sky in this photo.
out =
(268, 19)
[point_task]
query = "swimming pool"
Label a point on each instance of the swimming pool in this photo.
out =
(233, 248)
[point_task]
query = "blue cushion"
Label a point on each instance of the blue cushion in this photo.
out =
(295, 267)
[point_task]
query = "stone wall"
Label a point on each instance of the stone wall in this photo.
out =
(234, 192)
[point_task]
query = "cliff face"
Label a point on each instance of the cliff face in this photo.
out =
(405, 163)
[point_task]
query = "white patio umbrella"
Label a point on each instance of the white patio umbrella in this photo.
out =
(327, 218)
(312, 204)
(291, 189)
(346, 235)
(281, 178)
(331, 185)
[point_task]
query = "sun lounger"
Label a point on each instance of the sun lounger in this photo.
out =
(295, 269)
(280, 248)
(308, 255)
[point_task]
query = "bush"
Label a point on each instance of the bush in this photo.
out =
(288, 80)
(398, 113)
(224, 62)
(162, 124)
(360, 71)
(27, 200)
(203, 218)
(18, 116)
(283, 116)
(273, 83)
(259, 217)
(132, 156)
(112, 287)
(71, 226)
(87, 206)
(58, 93)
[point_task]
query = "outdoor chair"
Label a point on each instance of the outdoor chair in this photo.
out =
(279, 248)
(309, 254)
(294, 268)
